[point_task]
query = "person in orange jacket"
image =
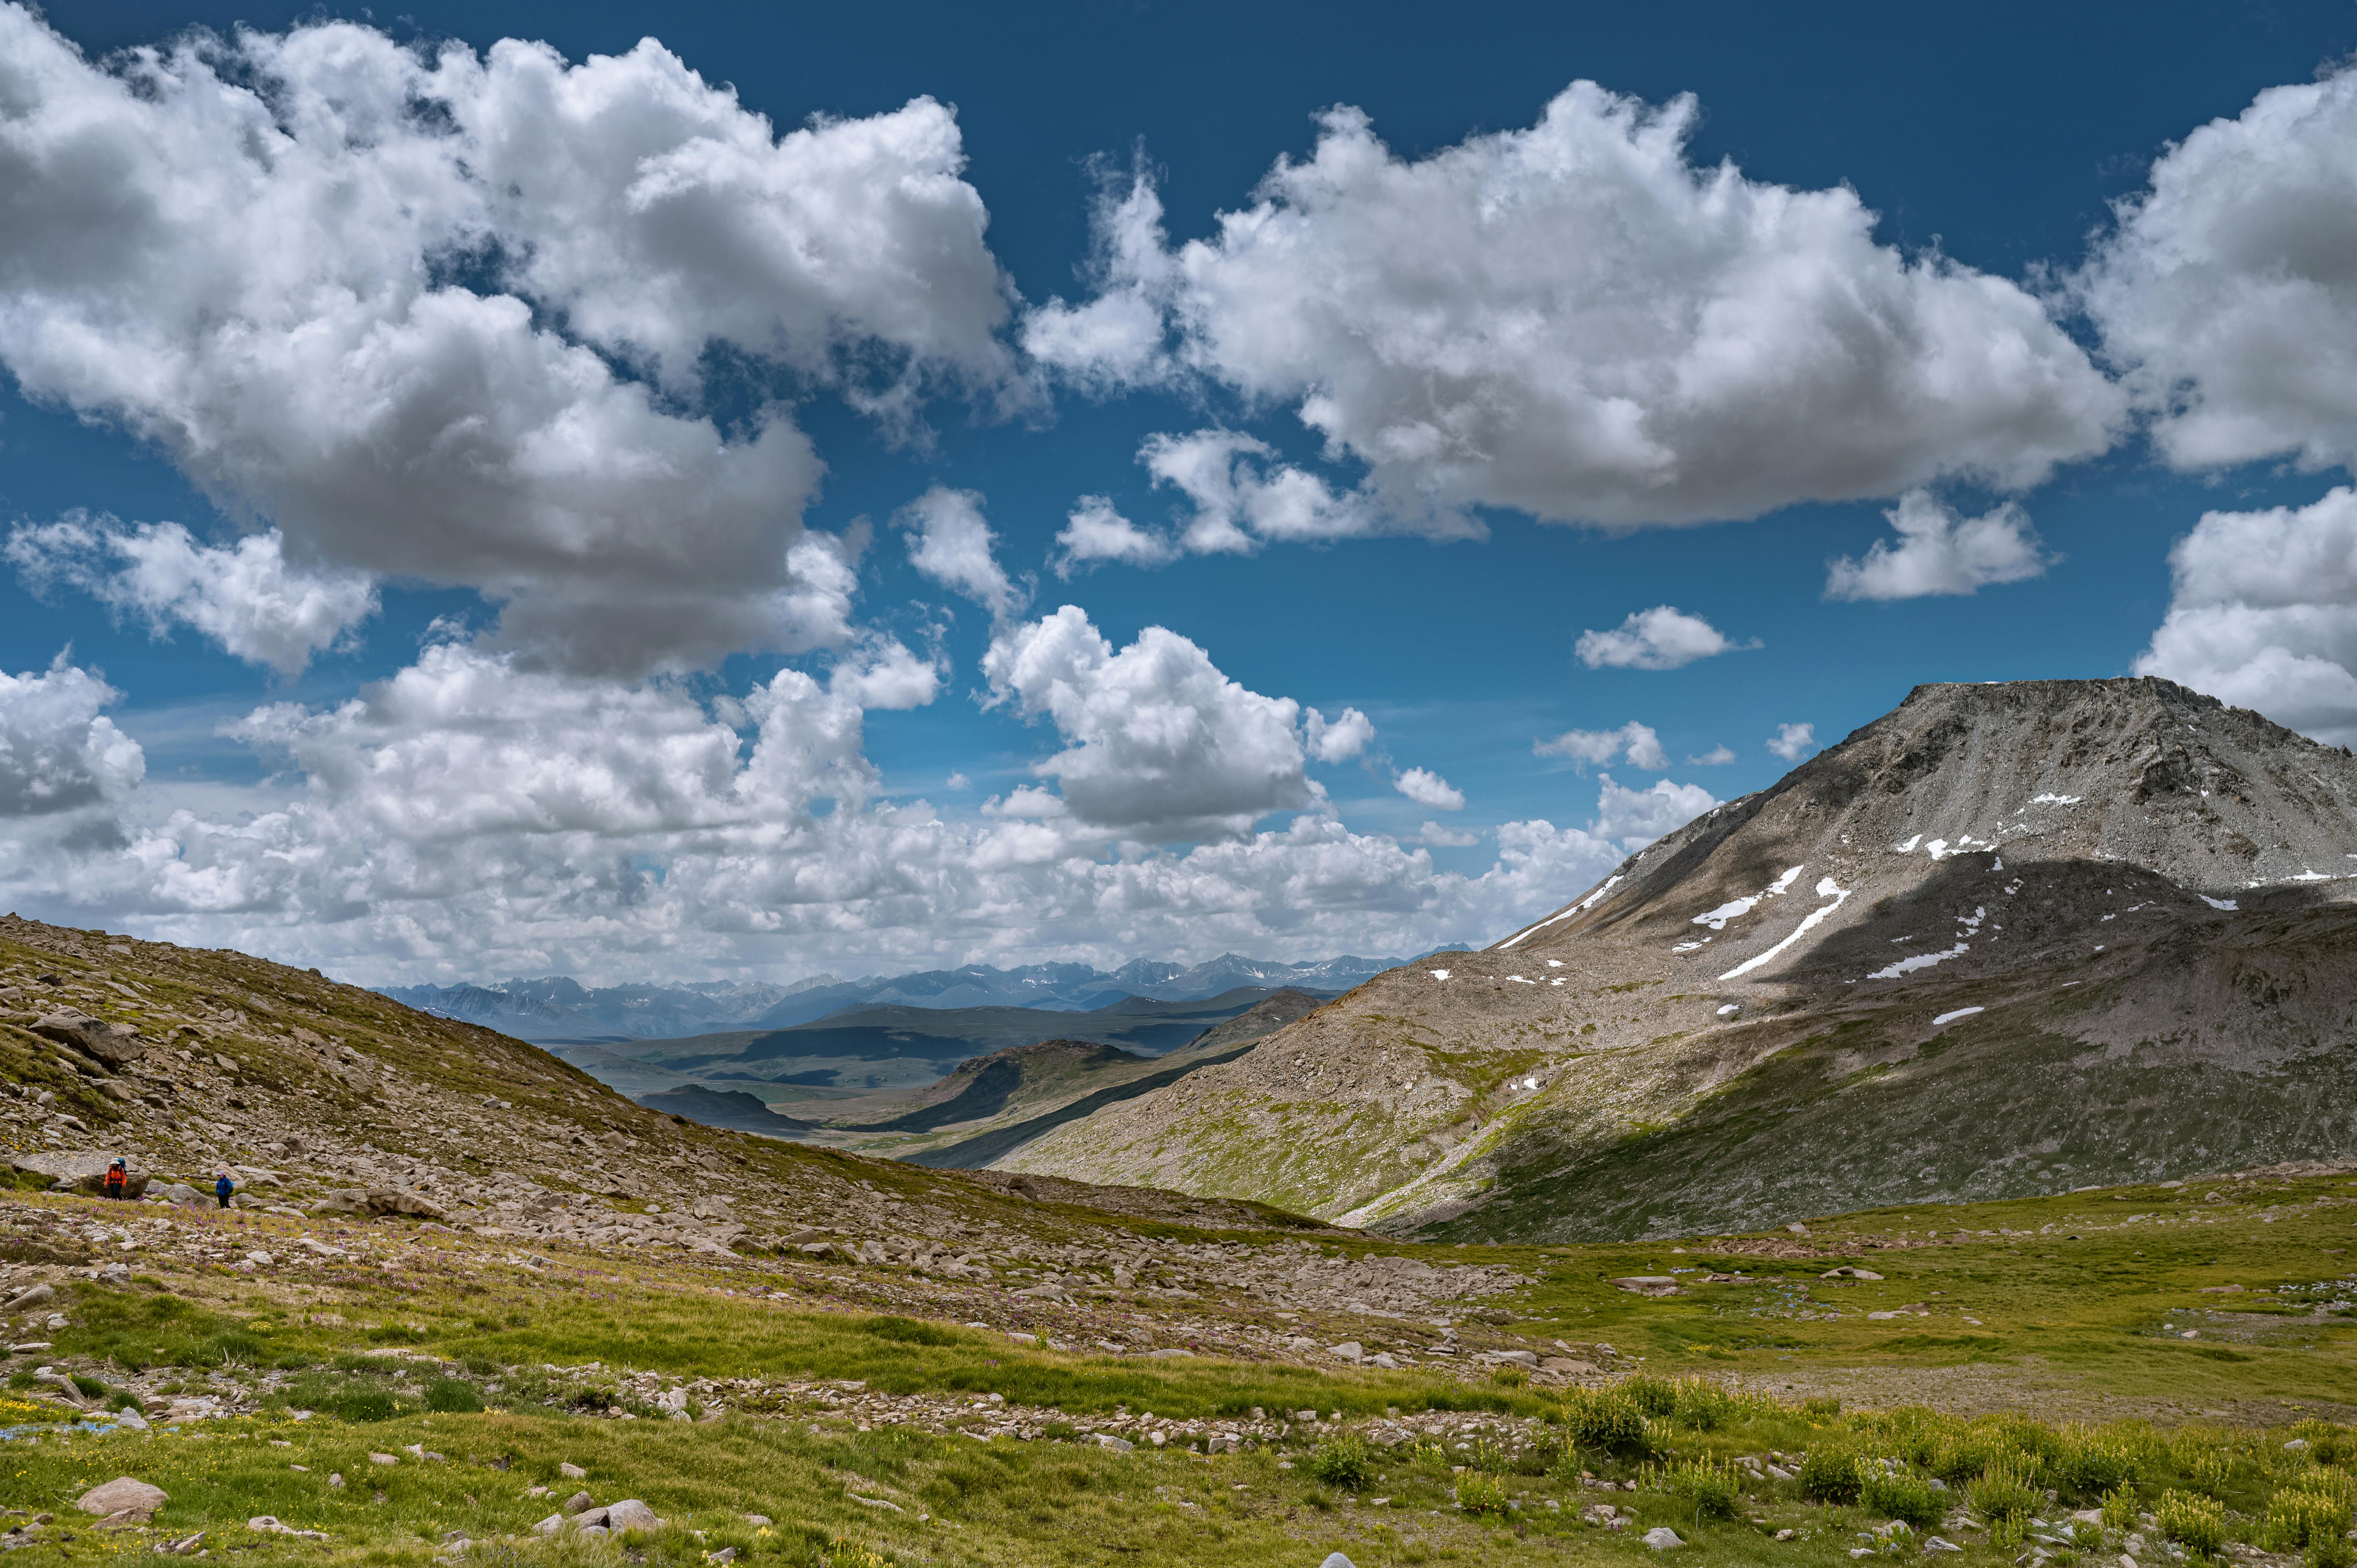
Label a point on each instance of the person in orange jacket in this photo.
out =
(118, 1174)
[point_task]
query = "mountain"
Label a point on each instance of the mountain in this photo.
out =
(2009, 939)
(881, 1056)
(1071, 986)
(557, 1008)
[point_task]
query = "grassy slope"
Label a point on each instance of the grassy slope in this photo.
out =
(2066, 1325)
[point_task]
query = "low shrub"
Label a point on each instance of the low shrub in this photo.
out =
(1901, 1495)
(2119, 1507)
(1832, 1472)
(1713, 1490)
(2003, 1494)
(1702, 1404)
(2091, 1462)
(1651, 1395)
(1342, 1460)
(1607, 1418)
(1478, 1493)
(2305, 1512)
(2195, 1522)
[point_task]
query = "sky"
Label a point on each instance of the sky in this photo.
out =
(697, 495)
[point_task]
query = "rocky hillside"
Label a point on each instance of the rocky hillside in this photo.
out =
(191, 1062)
(2008, 938)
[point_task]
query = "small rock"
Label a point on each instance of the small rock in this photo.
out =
(550, 1525)
(757, 1520)
(1660, 1538)
(578, 1501)
(1336, 1560)
(1118, 1445)
(184, 1547)
(1940, 1543)
(32, 1298)
(1348, 1350)
(119, 1495)
(383, 1459)
(1649, 1285)
(571, 1472)
(726, 1554)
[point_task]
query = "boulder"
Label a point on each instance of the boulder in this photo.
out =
(1649, 1285)
(1660, 1538)
(631, 1514)
(579, 1502)
(114, 1045)
(380, 1201)
(83, 1172)
(122, 1495)
(1848, 1272)
(33, 1297)
(571, 1471)
(182, 1194)
(1336, 1560)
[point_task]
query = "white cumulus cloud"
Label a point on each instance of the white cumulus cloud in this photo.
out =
(246, 596)
(2225, 292)
(1440, 837)
(1940, 552)
(1158, 743)
(1094, 533)
(1793, 742)
(382, 298)
(58, 751)
(1338, 740)
(950, 542)
(1635, 818)
(1638, 742)
(1429, 789)
(1241, 500)
(1575, 321)
(1716, 756)
(2263, 614)
(1662, 637)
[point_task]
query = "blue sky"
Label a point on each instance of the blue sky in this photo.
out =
(2064, 390)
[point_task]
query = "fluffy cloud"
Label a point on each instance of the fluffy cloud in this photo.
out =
(1241, 501)
(1662, 637)
(2263, 614)
(1429, 789)
(950, 542)
(1716, 756)
(378, 298)
(474, 816)
(1440, 837)
(58, 752)
(1160, 744)
(1574, 321)
(2225, 292)
(1338, 740)
(1094, 533)
(1635, 818)
(1940, 552)
(1638, 742)
(245, 596)
(1793, 742)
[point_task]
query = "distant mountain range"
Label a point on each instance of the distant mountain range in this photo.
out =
(560, 1008)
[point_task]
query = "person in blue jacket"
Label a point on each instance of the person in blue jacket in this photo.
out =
(224, 1189)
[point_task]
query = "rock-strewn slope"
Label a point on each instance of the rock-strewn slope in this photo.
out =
(2008, 938)
(366, 1136)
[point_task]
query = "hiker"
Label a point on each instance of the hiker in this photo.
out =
(224, 1189)
(117, 1174)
